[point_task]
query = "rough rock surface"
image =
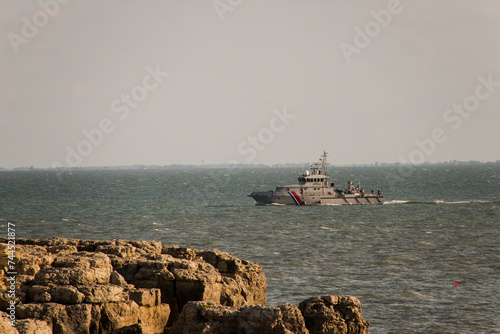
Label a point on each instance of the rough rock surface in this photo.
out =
(90, 286)
(211, 318)
(323, 314)
(334, 314)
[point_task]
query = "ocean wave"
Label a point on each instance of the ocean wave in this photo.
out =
(417, 294)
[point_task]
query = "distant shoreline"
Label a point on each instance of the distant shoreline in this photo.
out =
(247, 166)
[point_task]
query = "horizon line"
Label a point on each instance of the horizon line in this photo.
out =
(248, 165)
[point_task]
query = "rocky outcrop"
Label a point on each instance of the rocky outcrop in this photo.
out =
(316, 315)
(90, 286)
(334, 314)
(211, 318)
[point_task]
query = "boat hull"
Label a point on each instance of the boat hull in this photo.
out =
(269, 198)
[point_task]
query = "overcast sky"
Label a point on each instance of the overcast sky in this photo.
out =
(91, 83)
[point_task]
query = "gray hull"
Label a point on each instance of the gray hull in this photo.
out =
(268, 198)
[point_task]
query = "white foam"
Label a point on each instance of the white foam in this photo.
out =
(396, 201)
(464, 202)
(419, 295)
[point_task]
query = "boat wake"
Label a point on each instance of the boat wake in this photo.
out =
(397, 201)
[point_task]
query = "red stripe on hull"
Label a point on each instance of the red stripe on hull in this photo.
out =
(296, 198)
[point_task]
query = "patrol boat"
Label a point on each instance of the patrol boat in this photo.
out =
(315, 189)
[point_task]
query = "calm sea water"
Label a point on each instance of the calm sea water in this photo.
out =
(439, 225)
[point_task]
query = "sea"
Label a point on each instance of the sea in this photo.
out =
(427, 261)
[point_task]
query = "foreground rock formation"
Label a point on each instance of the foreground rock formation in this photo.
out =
(90, 286)
(316, 315)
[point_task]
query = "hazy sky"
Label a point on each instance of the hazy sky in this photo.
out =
(89, 83)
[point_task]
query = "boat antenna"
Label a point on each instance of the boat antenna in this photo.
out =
(323, 162)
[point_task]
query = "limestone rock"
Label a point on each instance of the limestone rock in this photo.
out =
(147, 246)
(242, 282)
(5, 325)
(133, 329)
(99, 294)
(39, 293)
(118, 315)
(293, 318)
(28, 259)
(31, 326)
(180, 252)
(122, 251)
(58, 294)
(156, 317)
(146, 297)
(118, 279)
(334, 314)
(62, 250)
(285, 319)
(247, 275)
(80, 318)
(106, 276)
(205, 317)
(77, 269)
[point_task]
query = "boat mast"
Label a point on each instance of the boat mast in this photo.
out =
(324, 171)
(323, 163)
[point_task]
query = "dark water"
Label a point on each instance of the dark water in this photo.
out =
(401, 259)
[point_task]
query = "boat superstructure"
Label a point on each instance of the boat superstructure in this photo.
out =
(314, 188)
